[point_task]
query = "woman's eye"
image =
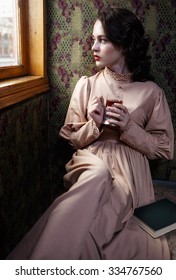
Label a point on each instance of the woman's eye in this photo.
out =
(92, 39)
(98, 40)
(103, 40)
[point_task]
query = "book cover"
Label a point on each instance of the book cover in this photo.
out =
(157, 218)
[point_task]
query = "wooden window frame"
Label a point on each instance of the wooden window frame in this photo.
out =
(29, 79)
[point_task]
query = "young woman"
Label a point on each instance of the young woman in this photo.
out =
(108, 175)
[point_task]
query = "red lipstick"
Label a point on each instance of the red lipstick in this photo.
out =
(96, 57)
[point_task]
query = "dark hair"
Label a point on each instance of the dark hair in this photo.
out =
(123, 28)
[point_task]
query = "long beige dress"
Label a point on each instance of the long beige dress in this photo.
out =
(107, 177)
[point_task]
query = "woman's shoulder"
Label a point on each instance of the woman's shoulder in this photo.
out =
(153, 85)
(91, 77)
(84, 83)
(150, 86)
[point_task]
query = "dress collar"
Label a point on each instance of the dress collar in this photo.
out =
(117, 76)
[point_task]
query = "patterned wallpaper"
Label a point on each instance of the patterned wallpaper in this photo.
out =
(32, 156)
(24, 169)
(69, 57)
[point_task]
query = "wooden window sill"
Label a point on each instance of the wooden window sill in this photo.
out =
(15, 90)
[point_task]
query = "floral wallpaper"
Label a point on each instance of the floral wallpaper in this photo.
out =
(33, 157)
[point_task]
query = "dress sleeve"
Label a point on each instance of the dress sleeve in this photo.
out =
(78, 130)
(156, 139)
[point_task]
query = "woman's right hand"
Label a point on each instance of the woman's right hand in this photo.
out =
(96, 110)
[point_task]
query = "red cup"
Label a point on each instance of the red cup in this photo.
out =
(110, 103)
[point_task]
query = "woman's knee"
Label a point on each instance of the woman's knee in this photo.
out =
(102, 170)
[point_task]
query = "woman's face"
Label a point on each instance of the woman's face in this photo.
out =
(105, 53)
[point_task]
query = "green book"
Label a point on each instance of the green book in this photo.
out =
(157, 218)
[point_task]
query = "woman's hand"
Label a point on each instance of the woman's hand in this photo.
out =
(96, 110)
(119, 116)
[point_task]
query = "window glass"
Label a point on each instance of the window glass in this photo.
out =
(9, 33)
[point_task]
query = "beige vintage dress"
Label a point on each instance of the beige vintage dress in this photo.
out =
(107, 177)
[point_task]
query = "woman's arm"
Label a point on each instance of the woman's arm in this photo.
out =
(156, 140)
(78, 130)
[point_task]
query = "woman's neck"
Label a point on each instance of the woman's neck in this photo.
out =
(119, 69)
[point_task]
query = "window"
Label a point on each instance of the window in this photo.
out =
(9, 33)
(26, 75)
(13, 60)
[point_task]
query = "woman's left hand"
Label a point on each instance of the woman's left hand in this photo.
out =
(96, 110)
(119, 116)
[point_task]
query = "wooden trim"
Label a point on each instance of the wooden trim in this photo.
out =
(24, 30)
(37, 41)
(11, 71)
(15, 90)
